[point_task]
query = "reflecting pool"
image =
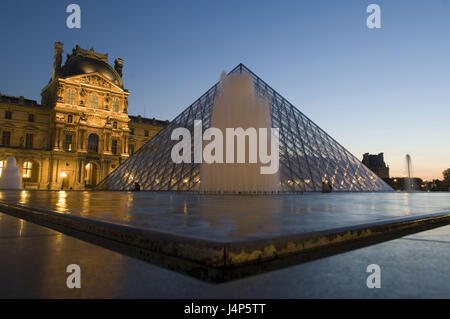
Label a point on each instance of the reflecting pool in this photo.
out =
(232, 218)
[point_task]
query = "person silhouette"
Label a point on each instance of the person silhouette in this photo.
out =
(137, 187)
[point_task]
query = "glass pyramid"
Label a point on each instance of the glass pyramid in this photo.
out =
(309, 157)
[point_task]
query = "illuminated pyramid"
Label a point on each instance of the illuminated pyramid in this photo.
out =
(309, 157)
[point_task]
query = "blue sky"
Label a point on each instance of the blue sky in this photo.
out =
(374, 90)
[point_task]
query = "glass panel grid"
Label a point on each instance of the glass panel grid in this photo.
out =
(308, 155)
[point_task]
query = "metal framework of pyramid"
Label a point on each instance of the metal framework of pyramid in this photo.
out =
(308, 155)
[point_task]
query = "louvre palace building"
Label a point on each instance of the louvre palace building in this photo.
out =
(80, 132)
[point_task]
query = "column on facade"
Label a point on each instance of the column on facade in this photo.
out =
(41, 170)
(55, 171)
(125, 144)
(80, 171)
(83, 170)
(61, 138)
(56, 141)
(81, 145)
(107, 142)
(50, 171)
(75, 174)
(101, 141)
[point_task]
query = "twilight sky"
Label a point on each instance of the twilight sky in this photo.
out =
(373, 90)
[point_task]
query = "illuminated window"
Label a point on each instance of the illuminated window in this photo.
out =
(2, 166)
(115, 105)
(94, 101)
(27, 168)
(70, 97)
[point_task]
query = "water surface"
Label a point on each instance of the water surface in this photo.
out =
(232, 218)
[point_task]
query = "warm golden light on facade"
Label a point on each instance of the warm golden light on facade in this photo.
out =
(83, 113)
(2, 166)
(27, 169)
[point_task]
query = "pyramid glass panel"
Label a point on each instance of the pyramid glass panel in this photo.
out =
(309, 157)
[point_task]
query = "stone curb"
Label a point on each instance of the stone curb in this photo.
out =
(268, 249)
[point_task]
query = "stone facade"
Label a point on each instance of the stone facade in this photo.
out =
(80, 132)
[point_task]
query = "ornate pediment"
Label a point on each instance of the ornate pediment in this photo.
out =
(94, 79)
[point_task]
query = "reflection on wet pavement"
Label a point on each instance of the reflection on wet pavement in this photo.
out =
(34, 261)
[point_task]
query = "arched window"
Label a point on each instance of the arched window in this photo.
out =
(94, 100)
(70, 97)
(93, 143)
(115, 104)
(27, 169)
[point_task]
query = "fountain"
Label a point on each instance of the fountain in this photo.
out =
(237, 106)
(410, 184)
(10, 178)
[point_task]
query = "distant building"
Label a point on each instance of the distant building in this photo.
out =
(437, 186)
(80, 132)
(376, 164)
(400, 184)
